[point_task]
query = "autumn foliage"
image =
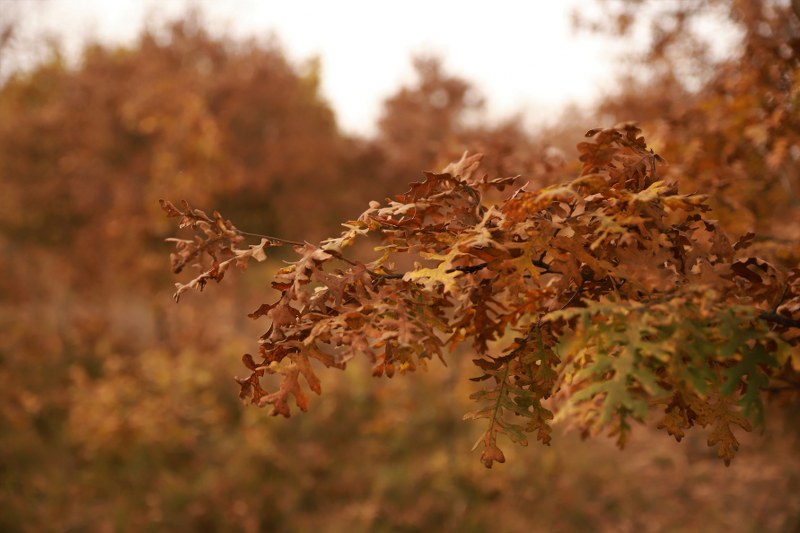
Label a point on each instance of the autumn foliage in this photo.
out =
(595, 300)
(588, 292)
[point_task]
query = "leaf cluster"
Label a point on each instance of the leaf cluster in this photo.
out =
(598, 301)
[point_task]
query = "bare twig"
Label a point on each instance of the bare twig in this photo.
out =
(776, 318)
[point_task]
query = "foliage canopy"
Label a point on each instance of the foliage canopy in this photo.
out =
(596, 301)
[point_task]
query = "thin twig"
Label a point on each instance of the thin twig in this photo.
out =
(775, 388)
(779, 319)
(574, 294)
(270, 238)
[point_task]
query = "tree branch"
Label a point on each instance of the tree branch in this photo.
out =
(779, 319)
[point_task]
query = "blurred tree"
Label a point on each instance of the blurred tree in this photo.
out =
(731, 130)
(181, 112)
(420, 123)
(432, 121)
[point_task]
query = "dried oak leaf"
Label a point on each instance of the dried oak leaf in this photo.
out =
(290, 385)
(464, 167)
(722, 413)
(679, 415)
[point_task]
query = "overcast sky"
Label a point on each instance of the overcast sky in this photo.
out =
(521, 55)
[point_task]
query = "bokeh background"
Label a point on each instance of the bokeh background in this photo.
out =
(118, 409)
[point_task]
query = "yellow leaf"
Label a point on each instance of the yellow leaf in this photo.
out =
(431, 276)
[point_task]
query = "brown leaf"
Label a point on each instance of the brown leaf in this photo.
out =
(722, 415)
(744, 241)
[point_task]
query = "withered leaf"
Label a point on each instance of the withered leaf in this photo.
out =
(621, 296)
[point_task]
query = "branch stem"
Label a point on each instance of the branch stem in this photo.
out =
(785, 321)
